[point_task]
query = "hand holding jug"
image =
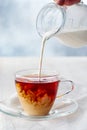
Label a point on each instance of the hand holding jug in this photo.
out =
(67, 23)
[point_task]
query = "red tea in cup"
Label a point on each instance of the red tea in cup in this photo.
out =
(37, 95)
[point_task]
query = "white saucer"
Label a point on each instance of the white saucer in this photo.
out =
(61, 108)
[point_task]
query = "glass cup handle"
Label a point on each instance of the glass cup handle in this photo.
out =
(67, 92)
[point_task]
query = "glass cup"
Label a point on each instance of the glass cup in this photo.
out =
(37, 94)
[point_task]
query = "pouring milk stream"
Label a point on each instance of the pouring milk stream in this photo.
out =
(68, 24)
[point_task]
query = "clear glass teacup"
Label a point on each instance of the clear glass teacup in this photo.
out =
(38, 94)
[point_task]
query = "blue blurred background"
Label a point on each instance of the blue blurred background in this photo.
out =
(18, 35)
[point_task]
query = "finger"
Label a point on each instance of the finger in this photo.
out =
(66, 2)
(60, 2)
(71, 2)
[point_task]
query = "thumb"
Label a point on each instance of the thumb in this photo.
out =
(60, 2)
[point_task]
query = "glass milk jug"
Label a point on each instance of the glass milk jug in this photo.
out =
(67, 23)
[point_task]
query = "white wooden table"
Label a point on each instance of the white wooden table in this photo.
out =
(73, 68)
